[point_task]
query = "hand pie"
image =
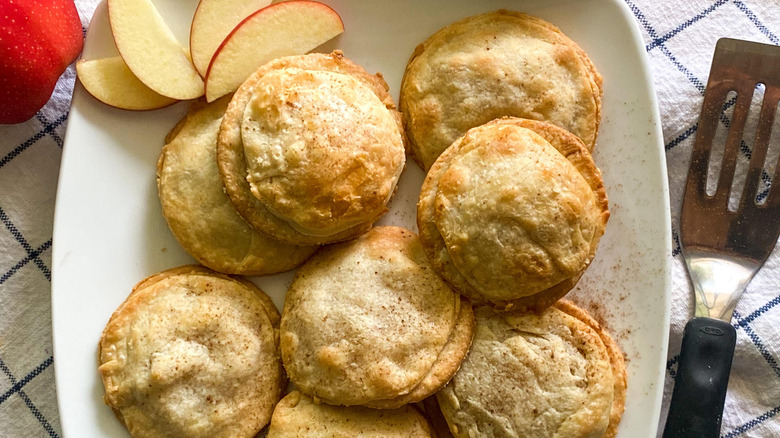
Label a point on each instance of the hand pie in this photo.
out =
(310, 149)
(297, 416)
(533, 375)
(512, 213)
(198, 212)
(493, 65)
(192, 353)
(368, 322)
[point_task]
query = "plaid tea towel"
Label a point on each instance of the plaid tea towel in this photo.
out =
(680, 38)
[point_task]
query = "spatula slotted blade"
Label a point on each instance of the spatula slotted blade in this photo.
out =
(723, 248)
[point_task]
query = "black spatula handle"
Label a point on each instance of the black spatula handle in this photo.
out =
(702, 376)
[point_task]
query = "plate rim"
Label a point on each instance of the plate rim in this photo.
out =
(647, 79)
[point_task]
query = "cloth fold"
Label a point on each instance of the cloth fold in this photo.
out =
(680, 38)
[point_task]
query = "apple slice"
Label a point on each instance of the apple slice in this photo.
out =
(281, 29)
(110, 81)
(151, 51)
(212, 22)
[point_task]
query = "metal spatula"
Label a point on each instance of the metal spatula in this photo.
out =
(723, 248)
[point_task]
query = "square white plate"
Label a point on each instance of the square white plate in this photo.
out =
(109, 232)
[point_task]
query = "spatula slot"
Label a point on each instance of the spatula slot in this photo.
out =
(769, 171)
(746, 151)
(719, 142)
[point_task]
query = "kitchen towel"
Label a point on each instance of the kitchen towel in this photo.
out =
(679, 39)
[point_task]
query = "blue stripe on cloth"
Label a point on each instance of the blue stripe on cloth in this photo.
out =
(752, 17)
(770, 360)
(693, 128)
(752, 423)
(30, 141)
(6, 371)
(676, 241)
(14, 231)
(653, 34)
(31, 253)
(38, 415)
(758, 312)
(17, 386)
(31, 256)
(642, 19)
(682, 69)
(682, 137)
(53, 133)
(681, 27)
(764, 193)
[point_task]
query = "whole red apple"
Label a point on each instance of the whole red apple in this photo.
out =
(38, 40)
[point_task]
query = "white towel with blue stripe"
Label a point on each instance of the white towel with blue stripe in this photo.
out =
(680, 39)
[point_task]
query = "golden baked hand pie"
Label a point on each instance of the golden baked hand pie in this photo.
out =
(192, 353)
(297, 416)
(493, 65)
(310, 149)
(198, 212)
(368, 322)
(616, 360)
(512, 213)
(531, 375)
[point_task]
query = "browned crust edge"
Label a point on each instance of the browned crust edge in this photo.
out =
(230, 154)
(616, 360)
(574, 150)
(272, 312)
(594, 77)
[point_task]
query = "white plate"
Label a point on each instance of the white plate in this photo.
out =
(109, 232)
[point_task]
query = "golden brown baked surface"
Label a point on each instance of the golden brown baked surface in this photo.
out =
(512, 213)
(297, 416)
(198, 212)
(368, 322)
(530, 375)
(192, 353)
(310, 149)
(493, 65)
(616, 360)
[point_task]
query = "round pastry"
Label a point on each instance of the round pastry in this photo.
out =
(368, 322)
(531, 375)
(512, 213)
(192, 353)
(297, 416)
(198, 212)
(493, 65)
(310, 149)
(616, 359)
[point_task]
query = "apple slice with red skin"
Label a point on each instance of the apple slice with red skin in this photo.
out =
(38, 40)
(212, 22)
(151, 51)
(281, 29)
(110, 81)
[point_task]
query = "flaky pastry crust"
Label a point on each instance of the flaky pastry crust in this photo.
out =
(616, 359)
(306, 153)
(531, 375)
(492, 65)
(512, 213)
(368, 322)
(297, 416)
(199, 213)
(192, 353)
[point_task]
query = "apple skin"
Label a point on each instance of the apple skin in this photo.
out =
(286, 28)
(38, 40)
